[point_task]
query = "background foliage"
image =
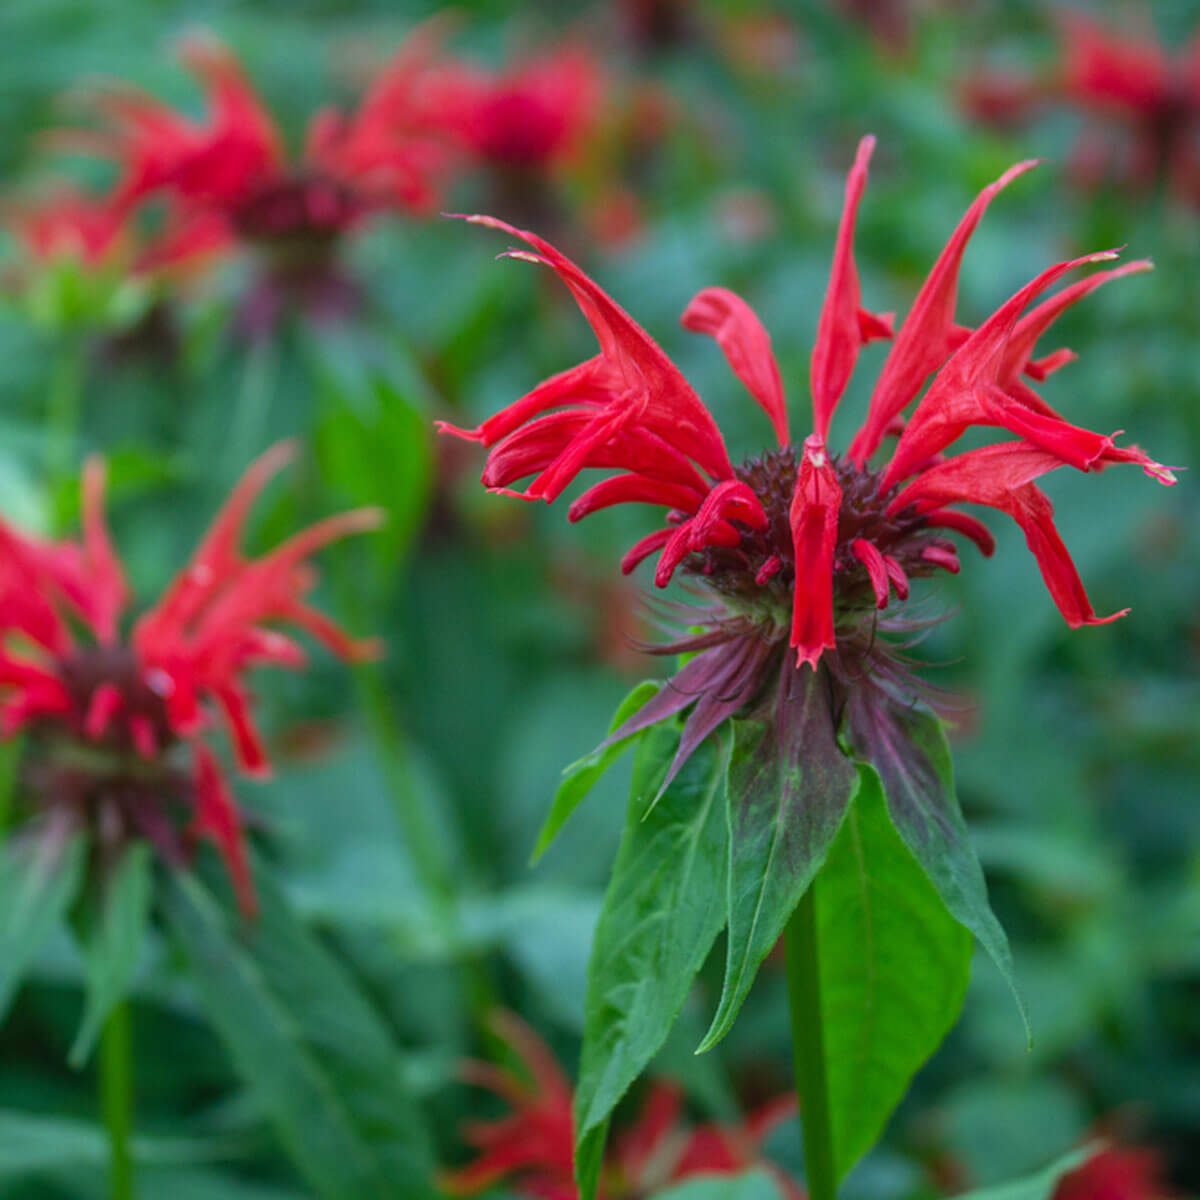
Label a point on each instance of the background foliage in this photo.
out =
(408, 798)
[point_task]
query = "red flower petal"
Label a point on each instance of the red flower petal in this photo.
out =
(843, 327)
(746, 344)
(814, 520)
(925, 339)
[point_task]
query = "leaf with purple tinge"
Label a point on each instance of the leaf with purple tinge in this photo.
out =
(907, 746)
(789, 788)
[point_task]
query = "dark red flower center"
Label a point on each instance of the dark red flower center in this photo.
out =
(759, 573)
(303, 208)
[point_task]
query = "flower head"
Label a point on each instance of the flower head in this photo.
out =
(109, 707)
(390, 153)
(803, 546)
(532, 1147)
(535, 114)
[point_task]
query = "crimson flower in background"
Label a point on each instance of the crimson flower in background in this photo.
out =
(1116, 1173)
(531, 1148)
(394, 152)
(804, 551)
(534, 115)
(99, 234)
(112, 711)
(1142, 104)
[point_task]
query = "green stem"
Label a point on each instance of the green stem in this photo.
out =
(116, 1098)
(254, 401)
(808, 1047)
(64, 413)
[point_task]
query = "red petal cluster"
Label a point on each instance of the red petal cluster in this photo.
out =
(535, 114)
(630, 409)
(186, 658)
(394, 151)
(531, 1149)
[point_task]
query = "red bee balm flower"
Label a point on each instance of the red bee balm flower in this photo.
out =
(1117, 1173)
(392, 153)
(109, 713)
(802, 546)
(532, 1148)
(535, 115)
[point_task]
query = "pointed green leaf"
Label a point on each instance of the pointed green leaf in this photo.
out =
(662, 912)
(753, 1185)
(893, 970)
(1040, 1186)
(907, 746)
(321, 1063)
(114, 944)
(39, 880)
(582, 775)
(789, 785)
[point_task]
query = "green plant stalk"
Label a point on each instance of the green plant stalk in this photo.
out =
(116, 1098)
(64, 413)
(808, 1047)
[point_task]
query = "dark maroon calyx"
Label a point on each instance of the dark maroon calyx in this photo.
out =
(758, 575)
(115, 704)
(304, 210)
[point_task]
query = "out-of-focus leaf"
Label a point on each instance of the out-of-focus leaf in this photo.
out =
(789, 785)
(38, 882)
(754, 1185)
(322, 1064)
(907, 746)
(1039, 1186)
(580, 777)
(893, 966)
(661, 915)
(114, 944)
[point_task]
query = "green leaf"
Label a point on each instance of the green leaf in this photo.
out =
(754, 1185)
(39, 880)
(1040, 1186)
(789, 786)
(660, 917)
(582, 775)
(908, 747)
(893, 968)
(319, 1060)
(115, 944)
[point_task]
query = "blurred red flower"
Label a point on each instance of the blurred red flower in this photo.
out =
(99, 234)
(108, 710)
(1117, 1173)
(532, 1148)
(1142, 104)
(394, 151)
(534, 115)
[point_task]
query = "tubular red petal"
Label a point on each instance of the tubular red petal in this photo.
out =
(968, 526)
(868, 554)
(842, 330)
(108, 592)
(252, 758)
(642, 550)
(926, 338)
(770, 568)
(634, 489)
(943, 556)
(725, 316)
(966, 391)
(106, 701)
(217, 818)
(895, 573)
(1030, 328)
(646, 375)
(814, 520)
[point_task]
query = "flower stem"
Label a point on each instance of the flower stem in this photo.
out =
(64, 412)
(808, 1047)
(116, 1098)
